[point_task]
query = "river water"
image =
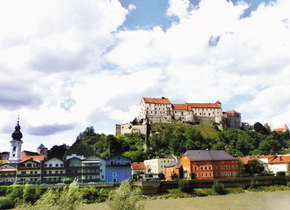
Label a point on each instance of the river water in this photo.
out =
(246, 201)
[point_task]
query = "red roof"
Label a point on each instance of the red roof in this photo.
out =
(285, 128)
(138, 166)
(265, 156)
(204, 105)
(25, 155)
(157, 100)
(245, 159)
(232, 112)
(281, 159)
(180, 106)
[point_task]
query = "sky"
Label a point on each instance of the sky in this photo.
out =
(68, 65)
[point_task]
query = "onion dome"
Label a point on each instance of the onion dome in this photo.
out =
(17, 135)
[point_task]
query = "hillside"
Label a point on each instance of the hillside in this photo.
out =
(167, 138)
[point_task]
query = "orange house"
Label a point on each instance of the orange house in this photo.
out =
(205, 164)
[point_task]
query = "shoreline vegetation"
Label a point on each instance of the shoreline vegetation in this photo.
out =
(73, 197)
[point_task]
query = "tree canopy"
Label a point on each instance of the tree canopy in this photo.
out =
(176, 138)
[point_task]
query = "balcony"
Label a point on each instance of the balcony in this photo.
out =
(53, 167)
(27, 168)
(91, 173)
(8, 175)
(28, 175)
(46, 175)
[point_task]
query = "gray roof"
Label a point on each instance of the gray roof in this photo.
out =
(173, 164)
(208, 155)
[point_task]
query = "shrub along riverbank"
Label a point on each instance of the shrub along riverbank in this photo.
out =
(72, 197)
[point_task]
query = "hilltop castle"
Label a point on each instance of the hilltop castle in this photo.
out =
(155, 110)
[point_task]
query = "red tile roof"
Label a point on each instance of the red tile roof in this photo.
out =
(281, 159)
(285, 128)
(180, 106)
(265, 156)
(25, 155)
(157, 100)
(204, 105)
(232, 112)
(245, 159)
(138, 166)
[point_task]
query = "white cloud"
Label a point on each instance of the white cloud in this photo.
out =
(178, 8)
(66, 63)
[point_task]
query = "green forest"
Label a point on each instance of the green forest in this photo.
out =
(175, 138)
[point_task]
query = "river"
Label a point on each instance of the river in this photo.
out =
(245, 201)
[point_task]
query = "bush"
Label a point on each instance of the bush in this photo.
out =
(3, 190)
(254, 184)
(219, 188)
(69, 199)
(15, 193)
(125, 198)
(67, 180)
(6, 203)
(199, 192)
(174, 176)
(93, 195)
(184, 186)
(176, 193)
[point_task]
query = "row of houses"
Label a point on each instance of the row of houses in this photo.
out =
(271, 163)
(204, 164)
(54, 170)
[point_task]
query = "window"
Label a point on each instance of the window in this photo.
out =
(201, 174)
(206, 174)
(210, 174)
(222, 167)
(196, 168)
(205, 168)
(210, 168)
(201, 167)
(114, 174)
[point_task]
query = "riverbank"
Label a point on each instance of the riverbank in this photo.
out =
(245, 201)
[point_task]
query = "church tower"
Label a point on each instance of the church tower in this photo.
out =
(15, 148)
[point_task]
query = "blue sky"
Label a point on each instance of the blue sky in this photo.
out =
(68, 65)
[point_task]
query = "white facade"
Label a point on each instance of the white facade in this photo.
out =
(91, 162)
(53, 170)
(276, 167)
(157, 165)
(15, 151)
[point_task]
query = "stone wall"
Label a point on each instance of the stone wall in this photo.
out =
(129, 128)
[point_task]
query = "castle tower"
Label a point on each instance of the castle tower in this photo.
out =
(16, 142)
